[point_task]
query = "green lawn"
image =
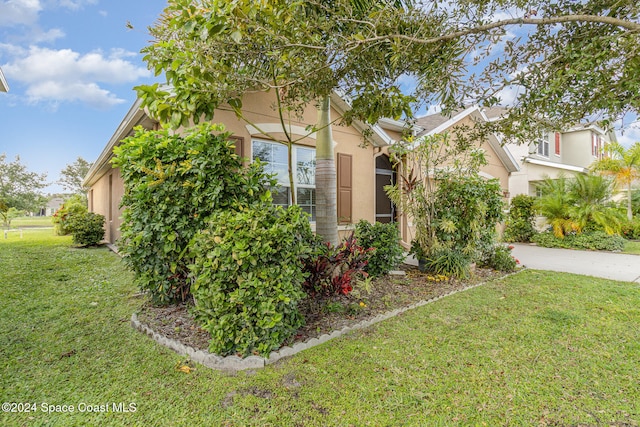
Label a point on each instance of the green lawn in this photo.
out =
(632, 248)
(537, 348)
(31, 221)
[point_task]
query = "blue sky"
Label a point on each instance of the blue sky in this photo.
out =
(71, 66)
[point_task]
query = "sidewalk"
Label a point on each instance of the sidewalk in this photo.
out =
(606, 265)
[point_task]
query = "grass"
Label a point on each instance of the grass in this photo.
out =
(536, 348)
(632, 247)
(31, 221)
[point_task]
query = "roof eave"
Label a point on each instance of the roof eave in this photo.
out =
(133, 116)
(378, 137)
(4, 86)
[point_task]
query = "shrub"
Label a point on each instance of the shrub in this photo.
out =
(631, 229)
(331, 270)
(599, 241)
(173, 183)
(248, 277)
(385, 239)
(447, 262)
(87, 229)
(592, 240)
(75, 205)
(500, 259)
(469, 208)
(519, 224)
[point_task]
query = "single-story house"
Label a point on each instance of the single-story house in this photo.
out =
(362, 169)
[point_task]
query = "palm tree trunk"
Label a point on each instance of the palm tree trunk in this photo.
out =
(629, 206)
(326, 187)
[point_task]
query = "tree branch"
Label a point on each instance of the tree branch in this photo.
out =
(629, 25)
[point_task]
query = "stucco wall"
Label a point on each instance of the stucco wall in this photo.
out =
(576, 148)
(104, 198)
(257, 110)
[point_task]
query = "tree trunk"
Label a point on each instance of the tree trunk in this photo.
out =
(629, 206)
(326, 198)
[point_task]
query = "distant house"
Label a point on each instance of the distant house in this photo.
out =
(4, 87)
(52, 206)
(556, 153)
(362, 170)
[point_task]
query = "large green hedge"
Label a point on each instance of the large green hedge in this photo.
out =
(248, 277)
(173, 184)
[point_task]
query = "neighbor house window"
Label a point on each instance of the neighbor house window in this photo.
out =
(543, 145)
(274, 155)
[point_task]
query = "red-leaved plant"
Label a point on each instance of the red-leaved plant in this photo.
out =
(333, 269)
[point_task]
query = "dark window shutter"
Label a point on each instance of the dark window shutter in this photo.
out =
(238, 142)
(557, 142)
(345, 188)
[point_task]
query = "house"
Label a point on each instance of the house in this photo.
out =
(53, 204)
(500, 162)
(4, 87)
(557, 153)
(362, 169)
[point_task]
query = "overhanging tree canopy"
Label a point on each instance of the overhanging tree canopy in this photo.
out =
(578, 60)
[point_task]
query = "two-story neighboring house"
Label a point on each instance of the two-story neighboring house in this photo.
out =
(4, 87)
(565, 153)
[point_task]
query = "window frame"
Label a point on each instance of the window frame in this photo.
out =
(542, 145)
(285, 184)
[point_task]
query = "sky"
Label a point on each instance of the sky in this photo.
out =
(71, 66)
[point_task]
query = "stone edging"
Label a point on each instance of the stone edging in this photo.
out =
(235, 363)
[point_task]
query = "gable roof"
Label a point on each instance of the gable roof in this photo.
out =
(4, 87)
(136, 116)
(438, 123)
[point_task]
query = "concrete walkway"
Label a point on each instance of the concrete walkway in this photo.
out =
(606, 265)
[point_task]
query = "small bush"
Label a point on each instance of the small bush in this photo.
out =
(501, 259)
(385, 239)
(631, 229)
(447, 262)
(87, 229)
(519, 224)
(248, 277)
(599, 241)
(75, 205)
(331, 270)
(592, 240)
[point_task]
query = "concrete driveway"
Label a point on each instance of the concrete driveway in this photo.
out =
(606, 265)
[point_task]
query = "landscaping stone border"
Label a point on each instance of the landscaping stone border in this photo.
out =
(235, 363)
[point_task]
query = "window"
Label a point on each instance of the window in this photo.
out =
(274, 155)
(543, 145)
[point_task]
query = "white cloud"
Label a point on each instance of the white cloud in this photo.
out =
(76, 4)
(629, 135)
(87, 93)
(19, 12)
(65, 75)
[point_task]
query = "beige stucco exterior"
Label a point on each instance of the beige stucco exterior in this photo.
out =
(106, 185)
(500, 163)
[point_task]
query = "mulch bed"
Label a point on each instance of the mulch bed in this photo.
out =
(325, 314)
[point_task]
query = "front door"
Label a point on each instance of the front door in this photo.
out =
(385, 175)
